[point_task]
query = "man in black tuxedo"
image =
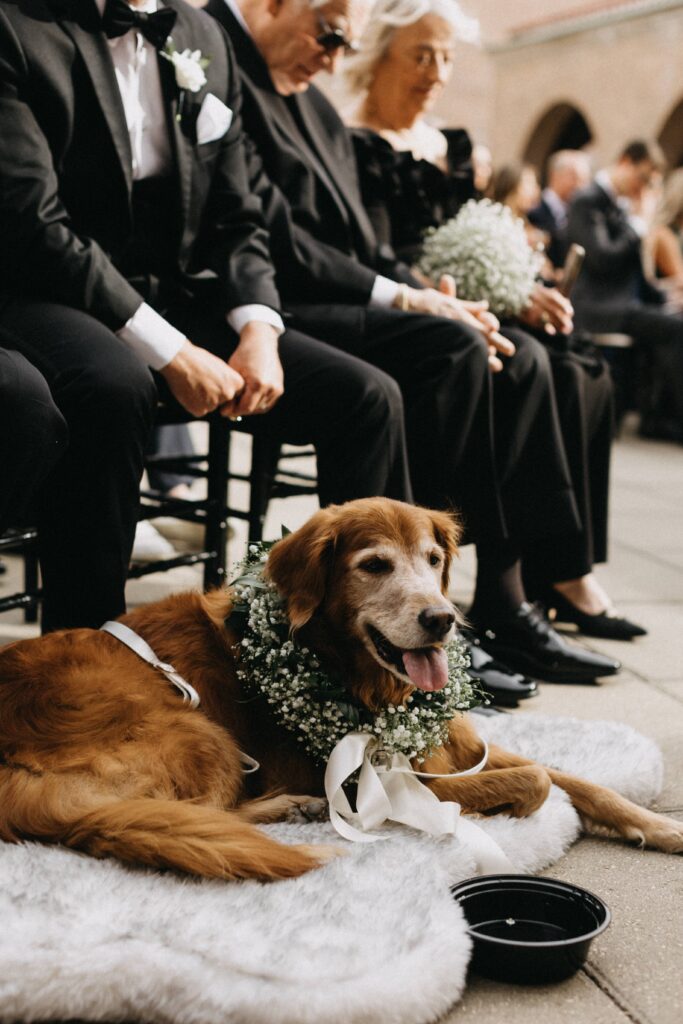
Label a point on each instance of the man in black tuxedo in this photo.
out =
(128, 229)
(510, 479)
(568, 171)
(610, 219)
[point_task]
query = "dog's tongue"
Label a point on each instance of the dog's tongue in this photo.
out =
(427, 668)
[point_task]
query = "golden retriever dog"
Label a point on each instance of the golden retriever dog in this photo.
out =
(98, 752)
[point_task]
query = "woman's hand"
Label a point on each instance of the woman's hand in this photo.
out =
(443, 302)
(549, 310)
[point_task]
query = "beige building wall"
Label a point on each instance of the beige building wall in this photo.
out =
(619, 63)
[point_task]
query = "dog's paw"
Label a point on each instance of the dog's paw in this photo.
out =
(661, 833)
(304, 809)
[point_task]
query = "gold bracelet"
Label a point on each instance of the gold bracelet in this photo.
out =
(403, 296)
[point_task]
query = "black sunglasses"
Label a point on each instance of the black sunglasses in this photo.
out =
(332, 39)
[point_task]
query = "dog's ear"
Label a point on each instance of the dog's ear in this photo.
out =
(299, 566)
(447, 531)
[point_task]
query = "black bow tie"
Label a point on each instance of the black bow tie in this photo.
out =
(119, 18)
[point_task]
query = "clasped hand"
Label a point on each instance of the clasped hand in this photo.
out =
(250, 382)
(443, 302)
(549, 310)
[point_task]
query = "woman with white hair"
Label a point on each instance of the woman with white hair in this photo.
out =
(415, 176)
(404, 60)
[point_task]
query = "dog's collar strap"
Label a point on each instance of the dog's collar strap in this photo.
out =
(140, 647)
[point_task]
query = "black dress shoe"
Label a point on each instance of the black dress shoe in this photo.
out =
(607, 624)
(504, 686)
(525, 640)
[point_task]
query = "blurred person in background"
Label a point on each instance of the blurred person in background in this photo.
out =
(415, 176)
(482, 163)
(664, 248)
(611, 218)
(568, 171)
(515, 185)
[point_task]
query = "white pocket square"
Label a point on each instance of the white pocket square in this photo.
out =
(213, 120)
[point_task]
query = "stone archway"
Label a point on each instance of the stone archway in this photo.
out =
(562, 126)
(670, 137)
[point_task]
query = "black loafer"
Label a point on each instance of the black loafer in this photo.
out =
(607, 625)
(525, 640)
(504, 686)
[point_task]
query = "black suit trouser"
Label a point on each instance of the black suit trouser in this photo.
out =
(585, 400)
(33, 436)
(488, 445)
(97, 408)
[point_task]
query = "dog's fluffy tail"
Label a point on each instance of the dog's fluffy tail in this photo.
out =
(160, 833)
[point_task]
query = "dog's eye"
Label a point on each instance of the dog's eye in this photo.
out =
(376, 565)
(434, 558)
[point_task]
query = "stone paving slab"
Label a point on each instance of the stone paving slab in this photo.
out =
(638, 575)
(674, 687)
(627, 534)
(637, 960)
(575, 1001)
(630, 700)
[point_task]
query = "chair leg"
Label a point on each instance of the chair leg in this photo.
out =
(31, 581)
(216, 537)
(264, 459)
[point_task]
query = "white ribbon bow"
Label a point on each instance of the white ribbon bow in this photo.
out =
(392, 792)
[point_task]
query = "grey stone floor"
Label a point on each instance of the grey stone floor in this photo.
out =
(635, 970)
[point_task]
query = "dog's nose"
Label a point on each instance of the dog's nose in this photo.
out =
(436, 621)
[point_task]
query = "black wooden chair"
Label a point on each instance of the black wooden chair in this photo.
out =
(269, 476)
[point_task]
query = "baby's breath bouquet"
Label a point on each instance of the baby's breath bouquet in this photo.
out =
(486, 250)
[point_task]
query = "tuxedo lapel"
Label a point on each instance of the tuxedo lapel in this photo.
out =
(178, 121)
(93, 48)
(309, 142)
(329, 170)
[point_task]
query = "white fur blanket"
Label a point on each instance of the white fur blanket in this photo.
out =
(372, 938)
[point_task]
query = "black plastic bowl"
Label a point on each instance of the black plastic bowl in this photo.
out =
(529, 930)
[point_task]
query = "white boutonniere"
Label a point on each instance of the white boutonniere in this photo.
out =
(188, 66)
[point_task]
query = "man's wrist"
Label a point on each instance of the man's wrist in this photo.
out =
(257, 330)
(240, 316)
(153, 339)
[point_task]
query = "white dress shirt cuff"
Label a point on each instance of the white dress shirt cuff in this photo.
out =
(240, 316)
(151, 337)
(384, 292)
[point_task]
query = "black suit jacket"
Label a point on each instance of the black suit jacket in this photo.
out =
(306, 152)
(65, 166)
(543, 218)
(612, 275)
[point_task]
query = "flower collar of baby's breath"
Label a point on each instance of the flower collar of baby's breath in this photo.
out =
(309, 703)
